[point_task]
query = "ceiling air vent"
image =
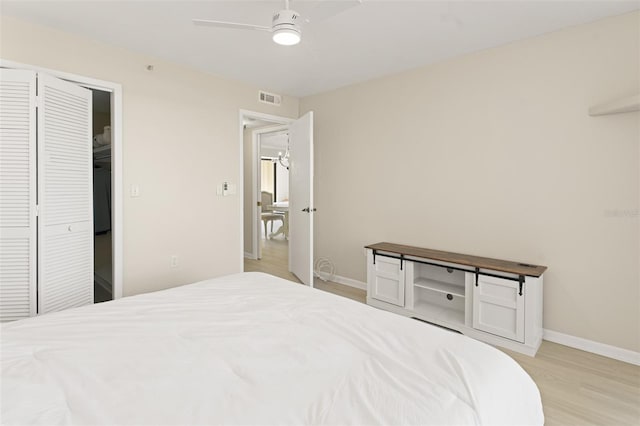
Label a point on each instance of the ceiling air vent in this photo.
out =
(269, 98)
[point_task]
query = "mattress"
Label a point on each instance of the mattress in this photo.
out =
(252, 349)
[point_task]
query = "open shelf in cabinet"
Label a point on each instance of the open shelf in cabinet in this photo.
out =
(440, 286)
(439, 278)
(431, 311)
(439, 305)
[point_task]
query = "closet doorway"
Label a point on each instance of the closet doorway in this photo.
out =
(57, 187)
(103, 236)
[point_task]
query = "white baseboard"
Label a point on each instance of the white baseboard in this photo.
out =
(350, 282)
(249, 255)
(603, 349)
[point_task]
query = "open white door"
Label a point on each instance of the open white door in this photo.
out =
(65, 195)
(17, 194)
(301, 198)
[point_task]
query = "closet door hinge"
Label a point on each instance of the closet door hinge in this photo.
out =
(37, 210)
(37, 101)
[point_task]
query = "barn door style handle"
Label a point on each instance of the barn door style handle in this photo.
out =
(520, 283)
(308, 210)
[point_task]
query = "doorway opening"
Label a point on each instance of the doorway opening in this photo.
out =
(274, 184)
(113, 93)
(266, 194)
(297, 213)
(102, 210)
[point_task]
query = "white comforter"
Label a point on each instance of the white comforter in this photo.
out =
(253, 349)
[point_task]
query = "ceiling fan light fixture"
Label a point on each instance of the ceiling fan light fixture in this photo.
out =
(285, 28)
(286, 36)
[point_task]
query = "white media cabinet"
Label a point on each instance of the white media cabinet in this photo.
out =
(496, 301)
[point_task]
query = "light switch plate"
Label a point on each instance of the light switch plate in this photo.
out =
(226, 188)
(134, 191)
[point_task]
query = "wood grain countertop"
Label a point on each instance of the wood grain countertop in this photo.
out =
(462, 259)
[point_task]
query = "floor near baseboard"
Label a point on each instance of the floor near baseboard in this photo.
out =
(275, 261)
(577, 387)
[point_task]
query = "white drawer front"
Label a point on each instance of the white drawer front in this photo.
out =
(498, 307)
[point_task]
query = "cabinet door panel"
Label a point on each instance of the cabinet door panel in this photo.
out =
(386, 280)
(389, 290)
(498, 307)
(387, 266)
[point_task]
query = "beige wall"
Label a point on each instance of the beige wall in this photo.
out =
(180, 137)
(493, 154)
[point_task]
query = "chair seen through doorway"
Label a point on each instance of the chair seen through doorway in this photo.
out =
(268, 215)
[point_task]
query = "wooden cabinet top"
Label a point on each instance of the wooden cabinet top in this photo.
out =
(462, 259)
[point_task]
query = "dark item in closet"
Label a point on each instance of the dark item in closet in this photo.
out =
(101, 200)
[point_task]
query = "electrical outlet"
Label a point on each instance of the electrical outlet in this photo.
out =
(174, 261)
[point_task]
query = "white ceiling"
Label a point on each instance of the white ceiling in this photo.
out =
(356, 44)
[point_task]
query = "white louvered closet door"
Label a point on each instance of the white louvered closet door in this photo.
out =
(65, 195)
(17, 194)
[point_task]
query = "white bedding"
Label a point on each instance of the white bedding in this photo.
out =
(253, 349)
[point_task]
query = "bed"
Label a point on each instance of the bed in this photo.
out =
(251, 349)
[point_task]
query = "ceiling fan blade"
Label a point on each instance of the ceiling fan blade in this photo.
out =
(235, 25)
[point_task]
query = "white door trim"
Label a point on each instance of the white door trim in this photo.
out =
(277, 120)
(116, 156)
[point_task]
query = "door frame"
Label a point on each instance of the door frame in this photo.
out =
(117, 188)
(277, 121)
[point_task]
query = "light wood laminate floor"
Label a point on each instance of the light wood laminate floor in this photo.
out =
(577, 387)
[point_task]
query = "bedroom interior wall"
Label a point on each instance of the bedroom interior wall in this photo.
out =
(180, 140)
(493, 153)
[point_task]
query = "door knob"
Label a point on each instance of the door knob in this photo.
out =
(69, 228)
(308, 210)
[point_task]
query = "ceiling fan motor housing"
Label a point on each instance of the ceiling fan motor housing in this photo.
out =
(286, 19)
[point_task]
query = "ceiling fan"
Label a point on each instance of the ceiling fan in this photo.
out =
(285, 25)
